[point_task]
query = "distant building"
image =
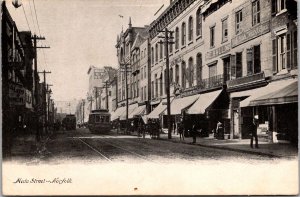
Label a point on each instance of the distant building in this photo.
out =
(98, 95)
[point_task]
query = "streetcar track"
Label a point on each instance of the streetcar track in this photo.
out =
(113, 145)
(94, 149)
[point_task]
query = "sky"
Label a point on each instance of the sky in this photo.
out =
(80, 33)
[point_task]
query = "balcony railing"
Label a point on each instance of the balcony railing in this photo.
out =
(205, 84)
(246, 80)
(211, 82)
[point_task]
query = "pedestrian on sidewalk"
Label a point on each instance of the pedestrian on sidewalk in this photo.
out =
(220, 131)
(180, 129)
(254, 132)
(194, 133)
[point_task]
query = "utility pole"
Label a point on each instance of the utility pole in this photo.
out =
(48, 103)
(166, 42)
(126, 70)
(35, 38)
(44, 100)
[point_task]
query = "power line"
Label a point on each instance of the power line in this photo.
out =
(39, 32)
(26, 18)
(36, 18)
(32, 17)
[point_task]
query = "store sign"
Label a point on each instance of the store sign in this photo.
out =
(16, 94)
(251, 34)
(218, 51)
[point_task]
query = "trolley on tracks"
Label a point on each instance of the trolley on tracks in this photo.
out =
(99, 121)
(69, 122)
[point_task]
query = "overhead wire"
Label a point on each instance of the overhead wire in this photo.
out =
(32, 17)
(46, 65)
(36, 18)
(26, 18)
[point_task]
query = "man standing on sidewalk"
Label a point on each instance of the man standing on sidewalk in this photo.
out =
(254, 132)
(194, 133)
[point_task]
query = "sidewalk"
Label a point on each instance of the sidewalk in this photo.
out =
(265, 148)
(26, 146)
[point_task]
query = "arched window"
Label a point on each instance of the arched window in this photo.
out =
(183, 74)
(191, 28)
(191, 72)
(176, 38)
(199, 23)
(199, 68)
(156, 52)
(183, 34)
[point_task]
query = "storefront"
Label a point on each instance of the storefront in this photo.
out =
(276, 106)
(210, 108)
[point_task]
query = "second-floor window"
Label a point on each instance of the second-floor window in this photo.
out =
(238, 21)
(253, 60)
(177, 38)
(199, 68)
(142, 93)
(145, 93)
(239, 65)
(191, 72)
(212, 71)
(183, 74)
(255, 12)
(191, 28)
(183, 34)
(212, 36)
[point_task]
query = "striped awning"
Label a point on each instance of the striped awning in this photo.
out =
(139, 111)
(288, 94)
(267, 91)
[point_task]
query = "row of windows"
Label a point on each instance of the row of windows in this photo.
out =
(183, 36)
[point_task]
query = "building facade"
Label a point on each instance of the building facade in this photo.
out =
(132, 54)
(17, 79)
(223, 56)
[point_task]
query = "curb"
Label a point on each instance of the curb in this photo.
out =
(227, 148)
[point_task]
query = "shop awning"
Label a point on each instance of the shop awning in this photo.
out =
(204, 101)
(159, 109)
(131, 108)
(288, 94)
(180, 104)
(264, 91)
(116, 114)
(139, 111)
